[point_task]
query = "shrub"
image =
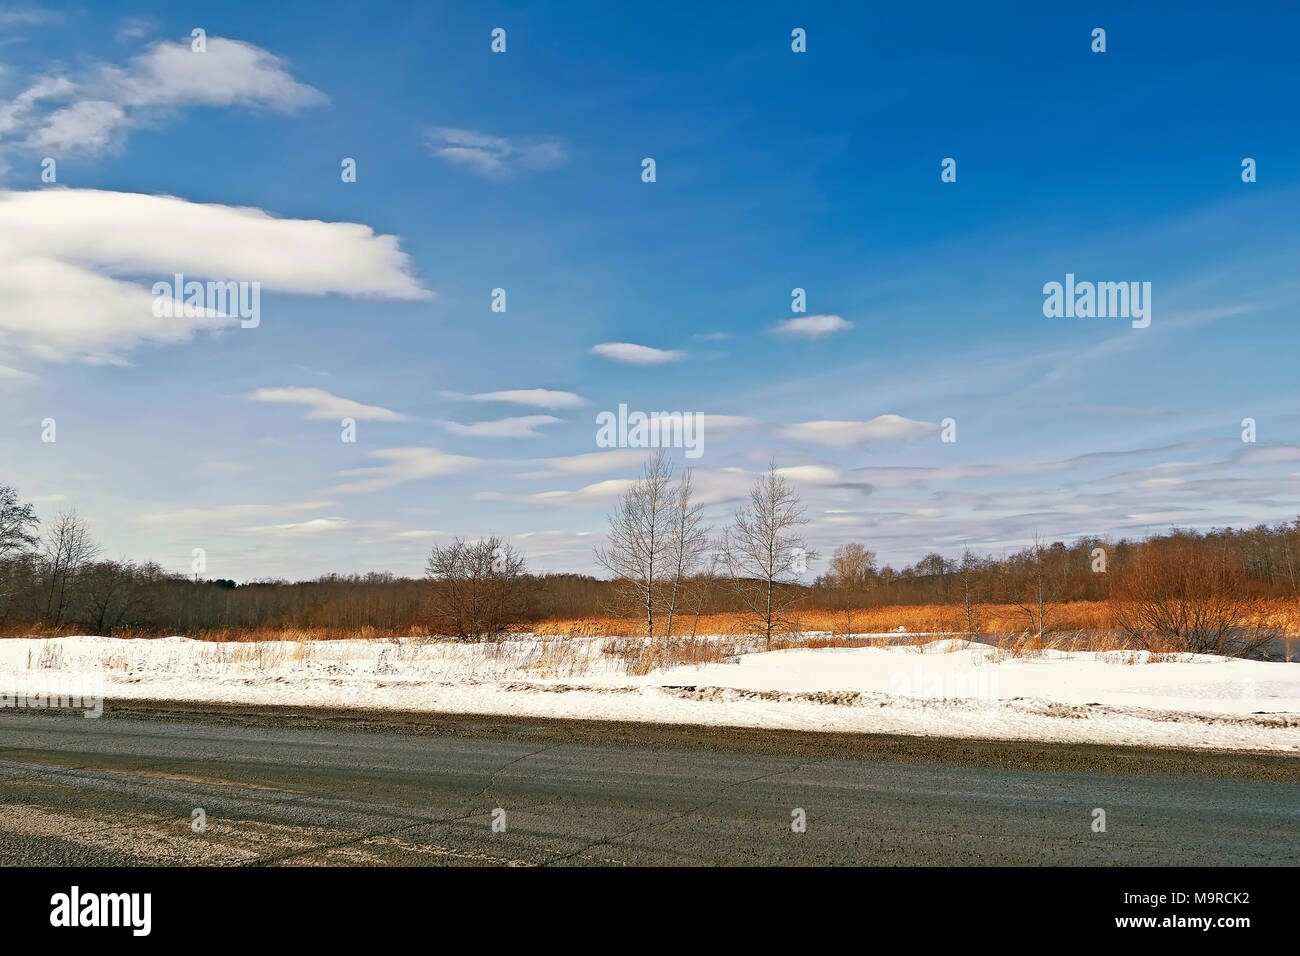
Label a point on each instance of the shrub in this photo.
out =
(1172, 596)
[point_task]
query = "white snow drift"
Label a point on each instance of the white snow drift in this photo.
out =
(945, 688)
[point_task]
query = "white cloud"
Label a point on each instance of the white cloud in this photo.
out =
(223, 516)
(60, 312)
(230, 73)
(321, 404)
(14, 114)
(139, 233)
(314, 526)
(406, 464)
(62, 252)
(537, 397)
(25, 15)
(492, 156)
(818, 474)
(601, 491)
(95, 112)
(813, 326)
(1268, 454)
(846, 434)
(524, 426)
(87, 125)
(13, 376)
(712, 485)
(588, 463)
(631, 354)
(133, 28)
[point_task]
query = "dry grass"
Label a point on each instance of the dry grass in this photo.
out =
(1080, 615)
(644, 656)
(299, 634)
(1086, 621)
(1073, 616)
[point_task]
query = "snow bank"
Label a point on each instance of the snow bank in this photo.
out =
(945, 688)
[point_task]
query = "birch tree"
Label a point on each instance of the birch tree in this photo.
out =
(688, 543)
(765, 553)
(969, 576)
(638, 547)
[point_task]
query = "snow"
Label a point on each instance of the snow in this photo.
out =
(945, 687)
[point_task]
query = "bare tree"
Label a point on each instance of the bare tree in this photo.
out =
(970, 574)
(66, 551)
(17, 523)
(115, 594)
(638, 548)
(1029, 588)
(852, 569)
(688, 542)
(765, 554)
(478, 588)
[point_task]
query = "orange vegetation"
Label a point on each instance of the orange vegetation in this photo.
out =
(993, 619)
(1075, 616)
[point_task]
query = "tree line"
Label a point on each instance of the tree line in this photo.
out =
(666, 567)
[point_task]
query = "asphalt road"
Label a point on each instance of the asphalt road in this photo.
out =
(316, 787)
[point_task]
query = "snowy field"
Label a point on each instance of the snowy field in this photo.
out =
(945, 687)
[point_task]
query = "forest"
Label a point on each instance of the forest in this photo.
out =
(665, 571)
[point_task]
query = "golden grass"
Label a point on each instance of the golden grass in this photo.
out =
(1090, 620)
(644, 656)
(994, 619)
(1079, 615)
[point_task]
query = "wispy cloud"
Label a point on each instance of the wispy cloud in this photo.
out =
(403, 465)
(321, 404)
(587, 463)
(813, 326)
(313, 526)
(524, 426)
(91, 113)
(225, 515)
(133, 28)
(846, 434)
(536, 397)
(25, 15)
(14, 376)
(492, 156)
(630, 354)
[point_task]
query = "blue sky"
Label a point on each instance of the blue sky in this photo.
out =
(522, 170)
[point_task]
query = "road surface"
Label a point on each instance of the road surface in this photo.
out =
(303, 786)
